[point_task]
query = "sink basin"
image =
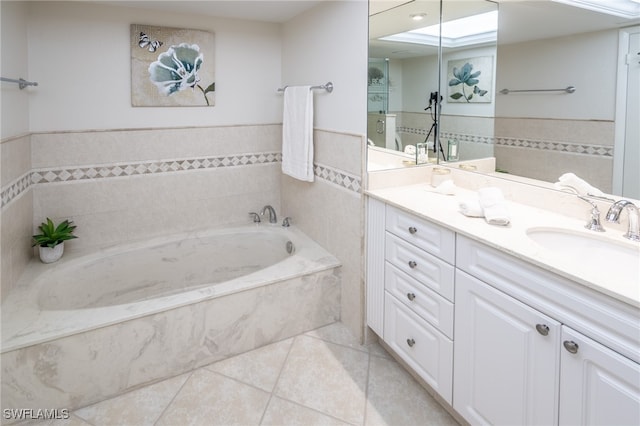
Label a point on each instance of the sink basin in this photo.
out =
(590, 251)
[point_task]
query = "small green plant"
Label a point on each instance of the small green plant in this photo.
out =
(52, 235)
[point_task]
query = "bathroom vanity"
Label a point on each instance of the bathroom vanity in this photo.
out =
(504, 329)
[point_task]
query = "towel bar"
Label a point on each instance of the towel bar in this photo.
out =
(22, 83)
(328, 87)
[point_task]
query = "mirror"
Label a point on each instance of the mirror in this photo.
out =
(542, 134)
(409, 101)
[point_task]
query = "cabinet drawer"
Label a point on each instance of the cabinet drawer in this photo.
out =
(427, 351)
(426, 303)
(432, 238)
(420, 265)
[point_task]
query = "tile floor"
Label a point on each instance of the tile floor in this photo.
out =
(323, 377)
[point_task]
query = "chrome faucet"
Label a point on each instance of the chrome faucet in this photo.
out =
(613, 215)
(272, 213)
(593, 223)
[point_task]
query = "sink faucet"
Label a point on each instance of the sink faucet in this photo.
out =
(613, 215)
(272, 213)
(593, 223)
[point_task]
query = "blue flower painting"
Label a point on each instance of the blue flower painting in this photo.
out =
(470, 80)
(171, 67)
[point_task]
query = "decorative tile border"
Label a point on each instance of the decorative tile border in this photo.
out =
(70, 174)
(568, 147)
(572, 148)
(338, 177)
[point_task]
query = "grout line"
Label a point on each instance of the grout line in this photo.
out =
(366, 389)
(174, 397)
(275, 385)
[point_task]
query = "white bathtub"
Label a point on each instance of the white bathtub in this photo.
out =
(157, 308)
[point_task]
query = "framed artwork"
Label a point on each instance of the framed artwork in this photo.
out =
(172, 67)
(470, 80)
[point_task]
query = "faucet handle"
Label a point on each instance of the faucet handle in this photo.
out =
(286, 222)
(593, 223)
(255, 216)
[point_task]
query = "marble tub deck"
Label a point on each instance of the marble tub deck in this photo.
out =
(320, 377)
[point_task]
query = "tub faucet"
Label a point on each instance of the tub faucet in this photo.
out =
(613, 215)
(272, 213)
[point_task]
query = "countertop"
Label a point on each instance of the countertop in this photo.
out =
(421, 200)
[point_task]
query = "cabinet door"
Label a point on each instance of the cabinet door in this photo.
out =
(506, 358)
(427, 351)
(597, 386)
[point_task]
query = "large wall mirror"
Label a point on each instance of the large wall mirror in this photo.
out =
(556, 92)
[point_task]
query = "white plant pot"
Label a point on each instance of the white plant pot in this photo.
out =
(51, 254)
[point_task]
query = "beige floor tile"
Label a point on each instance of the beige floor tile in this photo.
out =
(281, 412)
(396, 399)
(139, 407)
(337, 333)
(326, 377)
(211, 399)
(260, 367)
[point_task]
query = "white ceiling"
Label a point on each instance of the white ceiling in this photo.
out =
(254, 10)
(519, 20)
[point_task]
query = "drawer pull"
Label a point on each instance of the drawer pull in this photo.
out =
(411, 296)
(412, 264)
(542, 329)
(571, 346)
(412, 230)
(411, 342)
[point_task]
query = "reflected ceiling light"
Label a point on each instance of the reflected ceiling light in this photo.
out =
(629, 9)
(475, 29)
(418, 16)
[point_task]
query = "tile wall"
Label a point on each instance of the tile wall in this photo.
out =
(547, 148)
(330, 211)
(16, 211)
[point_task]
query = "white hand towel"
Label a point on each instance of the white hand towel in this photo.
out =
(471, 207)
(581, 186)
(495, 209)
(297, 133)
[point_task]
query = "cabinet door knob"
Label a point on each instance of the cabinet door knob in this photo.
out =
(412, 264)
(411, 342)
(412, 230)
(411, 296)
(571, 346)
(542, 329)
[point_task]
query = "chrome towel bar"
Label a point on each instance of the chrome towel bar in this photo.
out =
(328, 87)
(569, 89)
(22, 83)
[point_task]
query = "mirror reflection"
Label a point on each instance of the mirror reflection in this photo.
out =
(530, 128)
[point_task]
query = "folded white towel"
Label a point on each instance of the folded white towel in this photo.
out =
(471, 207)
(297, 133)
(577, 184)
(494, 207)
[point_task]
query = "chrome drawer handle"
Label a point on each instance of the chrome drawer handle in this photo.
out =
(411, 296)
(571, 346)
(412, 264)
(411, 342)
(412, 230)
(542, 329)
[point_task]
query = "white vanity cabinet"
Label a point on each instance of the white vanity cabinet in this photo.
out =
(525, 363)
(410, 276)
(511, 342)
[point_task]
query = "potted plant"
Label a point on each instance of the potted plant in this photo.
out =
(51, 240)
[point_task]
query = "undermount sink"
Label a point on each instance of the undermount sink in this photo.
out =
(591, 251)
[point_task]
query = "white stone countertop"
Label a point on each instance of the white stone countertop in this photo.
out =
(443, 210)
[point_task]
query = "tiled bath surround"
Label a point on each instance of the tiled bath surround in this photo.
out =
(70, 372)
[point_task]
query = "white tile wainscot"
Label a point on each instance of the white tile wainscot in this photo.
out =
(537, 341)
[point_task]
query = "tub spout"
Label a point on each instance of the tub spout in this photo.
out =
(272, 213)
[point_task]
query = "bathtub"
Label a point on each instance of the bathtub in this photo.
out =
(92, 326)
